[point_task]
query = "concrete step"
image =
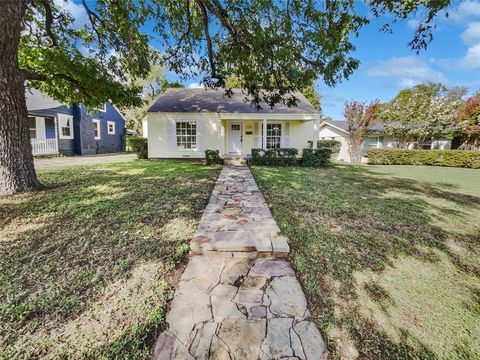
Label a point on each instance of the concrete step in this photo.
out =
(234, 160)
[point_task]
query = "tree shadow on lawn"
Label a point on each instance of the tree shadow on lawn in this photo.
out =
(76, 248)
(354, 233)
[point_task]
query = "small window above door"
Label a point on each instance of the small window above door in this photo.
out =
(235, 127)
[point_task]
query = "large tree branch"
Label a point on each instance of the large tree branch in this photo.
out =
(208, 38)
(185, 34)
(49, 21)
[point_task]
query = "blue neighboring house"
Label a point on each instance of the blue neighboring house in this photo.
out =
(56, 128)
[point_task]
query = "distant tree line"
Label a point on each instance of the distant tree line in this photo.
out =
(416, 116)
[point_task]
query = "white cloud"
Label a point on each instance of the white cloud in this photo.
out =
(407, 71)
(471, 35)
(465, 11)
(195, 85)
(76, 10)
(413, 23)
(472, 59)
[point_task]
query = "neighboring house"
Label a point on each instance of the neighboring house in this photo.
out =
(376, 138)
(183, 123)
(56, 128)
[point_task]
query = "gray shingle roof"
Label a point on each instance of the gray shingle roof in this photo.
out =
(376, 127)
(209, 100)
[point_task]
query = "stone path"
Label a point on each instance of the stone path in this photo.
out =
(238, 297)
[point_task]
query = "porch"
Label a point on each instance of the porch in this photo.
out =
(243, 135)
(43, 135)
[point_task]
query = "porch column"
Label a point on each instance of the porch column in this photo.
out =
(315, 133)
(264, 134)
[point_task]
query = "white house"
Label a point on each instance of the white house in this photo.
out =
(183, 123)
(376, 138)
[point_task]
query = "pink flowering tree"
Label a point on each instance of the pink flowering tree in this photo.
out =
(359, 116)
(468, 119)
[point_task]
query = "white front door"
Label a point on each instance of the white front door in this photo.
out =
(235, 138)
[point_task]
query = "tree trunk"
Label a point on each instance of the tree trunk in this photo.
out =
(17, 172)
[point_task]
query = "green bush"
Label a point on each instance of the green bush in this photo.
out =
(452, 158)
(335, 145)
(213, 157)
(275, 157)
(319, 157)
(139, 146)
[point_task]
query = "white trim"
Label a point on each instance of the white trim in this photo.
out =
(244, 116)
(326, 123)
(97, 121)
(176, 148)
(103, 108)
(229, 132)
(64, 120)
(108, 127)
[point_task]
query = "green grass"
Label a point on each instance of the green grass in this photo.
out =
(390, 264)
(456, 179)
(87, 265)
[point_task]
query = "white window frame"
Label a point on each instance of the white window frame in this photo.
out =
(103, 108)
(97, 121)
(112, 132)
(180, 148)
(65, 121)
(274, 136)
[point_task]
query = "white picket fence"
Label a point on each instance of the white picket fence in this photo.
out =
(44, 147)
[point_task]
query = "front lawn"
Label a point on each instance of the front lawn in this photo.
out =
(87, 265)
(390, 265)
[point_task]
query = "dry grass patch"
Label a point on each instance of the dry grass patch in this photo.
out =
(87, 266)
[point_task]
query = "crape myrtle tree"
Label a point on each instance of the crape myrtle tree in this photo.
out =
(468, 123)
(276, 47)
(359, 116)
(421, 113)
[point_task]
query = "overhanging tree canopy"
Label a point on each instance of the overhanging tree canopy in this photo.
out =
(276, 47)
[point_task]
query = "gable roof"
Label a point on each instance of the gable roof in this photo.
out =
(376, 127)
(215, 101)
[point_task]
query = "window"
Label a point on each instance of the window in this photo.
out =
(274, 136)
(111, 127)
(235, 127)
(186, 133)
(65, 125)
(32, 123)
(102, 108)
(96, 129)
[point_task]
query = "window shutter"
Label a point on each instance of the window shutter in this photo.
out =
(286, 134)
(171, 134)
(256, 143)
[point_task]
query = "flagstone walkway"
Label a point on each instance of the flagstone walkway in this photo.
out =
(238, 297)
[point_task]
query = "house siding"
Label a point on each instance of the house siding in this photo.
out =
(329, 132)
(83, 142)
(161, 135)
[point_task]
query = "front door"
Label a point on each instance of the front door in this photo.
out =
(235, 138)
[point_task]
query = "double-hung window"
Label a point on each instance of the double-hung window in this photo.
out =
(274, 136)
(111, 127)
(96, 129)
(65, 125)
(186, 135)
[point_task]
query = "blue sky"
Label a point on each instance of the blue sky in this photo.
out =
(388, 64)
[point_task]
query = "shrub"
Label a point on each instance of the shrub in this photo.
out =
(335, 145)
(275, 157)
(452, 158)
(139, 146)
(319, 157)
(213, 157)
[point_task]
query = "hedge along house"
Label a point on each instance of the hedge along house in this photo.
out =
(376, 138)
(183, 123)
(56, 128)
